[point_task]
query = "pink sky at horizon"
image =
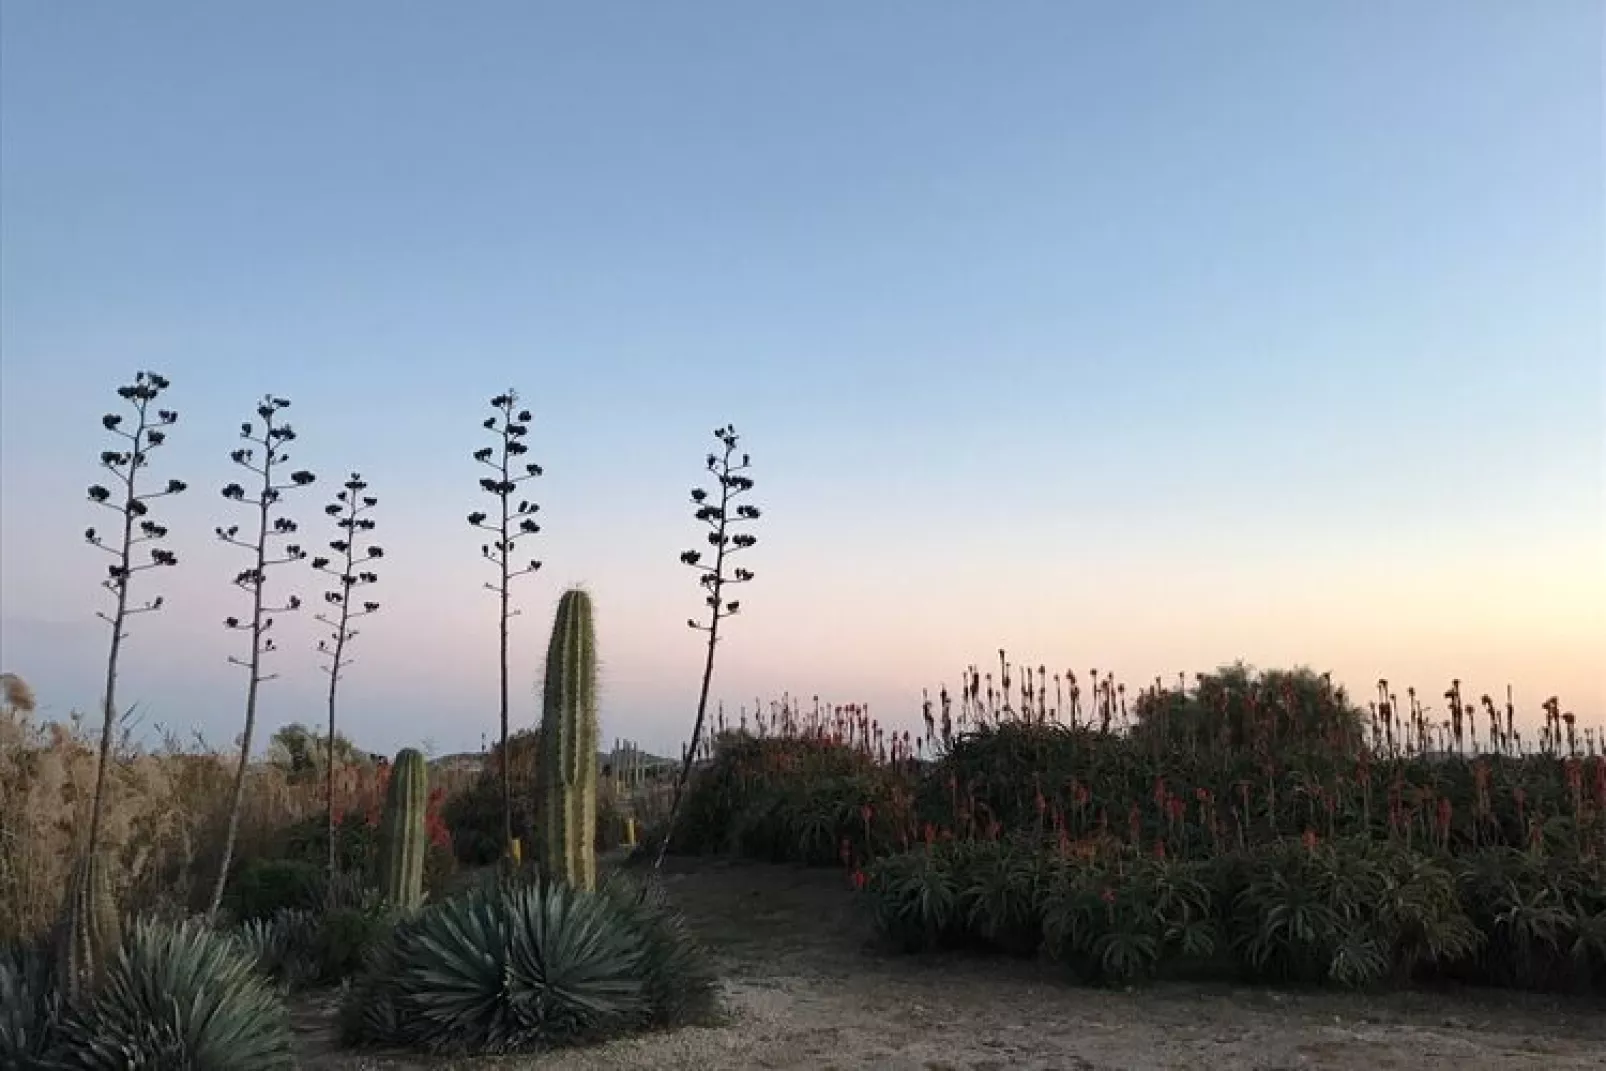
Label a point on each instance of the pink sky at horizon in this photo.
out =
(877, 634)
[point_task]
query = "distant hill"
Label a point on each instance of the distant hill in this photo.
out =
(474, 761)
(462, 761)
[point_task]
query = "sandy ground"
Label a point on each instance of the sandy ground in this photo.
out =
(807, 989)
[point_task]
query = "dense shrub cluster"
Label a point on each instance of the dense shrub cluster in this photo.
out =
(318, 945)
(811, 799)
(1075, 782)
(1353, 912)
(164, 824)
(472, 816)
(1167, 837)
(1234, 709)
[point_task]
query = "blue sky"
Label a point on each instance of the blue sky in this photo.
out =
(1141, 337)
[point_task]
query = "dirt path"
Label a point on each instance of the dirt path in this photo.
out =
(807, 990)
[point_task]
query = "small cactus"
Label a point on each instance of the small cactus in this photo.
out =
(402, 841)
(568, 784)
(89, 931)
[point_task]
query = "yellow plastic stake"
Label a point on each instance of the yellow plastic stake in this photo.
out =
(518, 851)
(630, 832)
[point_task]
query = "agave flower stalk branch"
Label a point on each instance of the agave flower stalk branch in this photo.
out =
(508, 426)
(720, 519)
(132, 505)
(349, 509)
(275, 437)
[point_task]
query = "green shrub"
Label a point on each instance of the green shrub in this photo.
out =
(261, 887)
(357, 851)
(915, 898)
(297, 948)
(1543, 917)
(343, 939)
(282, 946)
(795, 799)
(1001, 887)
(473, 815)
(178, 996)
(522, 966)
(1235, 709)
(611, 819)
(1354, 912)
(356, 843)
(352, 889)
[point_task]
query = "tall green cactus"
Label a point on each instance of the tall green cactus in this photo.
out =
(568, 788)
(89, 931)
(402, 841)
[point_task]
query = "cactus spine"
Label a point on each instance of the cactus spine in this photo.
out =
(402, 842)
(568, 785)
(89, 929)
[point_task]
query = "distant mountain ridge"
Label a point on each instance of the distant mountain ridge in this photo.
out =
(474, 761)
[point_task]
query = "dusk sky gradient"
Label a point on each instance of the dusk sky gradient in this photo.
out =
(1137, 337)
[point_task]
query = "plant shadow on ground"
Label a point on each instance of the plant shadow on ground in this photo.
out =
(807, 987)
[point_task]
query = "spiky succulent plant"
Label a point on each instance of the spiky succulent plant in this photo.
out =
(682, 988)
(283, 945)
(30, 1004)
(516, 967)
(179, 996)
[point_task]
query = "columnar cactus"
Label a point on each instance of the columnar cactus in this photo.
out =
(89, 930)
(402, 841)
(568, 784)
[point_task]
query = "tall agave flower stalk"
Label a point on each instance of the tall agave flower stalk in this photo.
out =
(513, 519)
(263, 470)
(721, 516)
(348, 509)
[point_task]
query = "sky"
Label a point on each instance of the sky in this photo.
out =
(1142, 338)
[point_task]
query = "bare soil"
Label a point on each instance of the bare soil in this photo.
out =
(807, 988)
